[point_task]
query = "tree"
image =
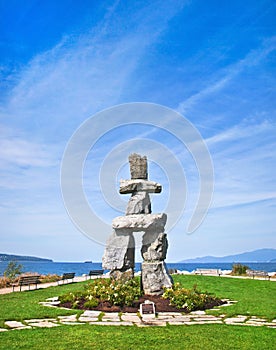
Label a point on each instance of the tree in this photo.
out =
(239, 269)
(13, 269)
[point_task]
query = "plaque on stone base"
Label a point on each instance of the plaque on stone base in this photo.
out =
(147, 309)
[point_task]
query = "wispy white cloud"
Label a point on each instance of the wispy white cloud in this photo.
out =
(79, 76)
(63, 86)
(24, 153)
(244, 161)
(23, 164)
(238, 132)
(253, 58)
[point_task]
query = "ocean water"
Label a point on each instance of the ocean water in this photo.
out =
(81, 268)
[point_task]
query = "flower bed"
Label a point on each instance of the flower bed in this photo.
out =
(112, 296)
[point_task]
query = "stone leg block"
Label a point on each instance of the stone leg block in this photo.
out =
(155, 277)
(119, 252)
(122, 275)
(156, 250)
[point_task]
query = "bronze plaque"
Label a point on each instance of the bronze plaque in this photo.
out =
(147, 309)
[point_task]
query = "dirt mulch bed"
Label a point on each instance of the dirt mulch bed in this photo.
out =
(161, 305)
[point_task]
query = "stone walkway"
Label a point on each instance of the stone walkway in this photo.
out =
(133, 319)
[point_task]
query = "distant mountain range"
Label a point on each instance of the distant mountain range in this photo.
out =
(260, 255)
(10, 257)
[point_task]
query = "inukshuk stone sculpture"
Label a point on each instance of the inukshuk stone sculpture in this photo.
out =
(120, 248)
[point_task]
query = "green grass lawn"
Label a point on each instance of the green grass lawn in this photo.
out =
(254, 298)
(207, 337)
(25, 305)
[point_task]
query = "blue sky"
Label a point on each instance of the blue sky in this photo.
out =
(63, 61)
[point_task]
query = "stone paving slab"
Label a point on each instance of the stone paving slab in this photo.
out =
(256, 319)
(236, 319)
(205, 316)
(181, 319)
(173, 314)
(176, 320)
(50, 304)
(109, 323)
(257, 322)
(53, 299)
(207, 319)
(132, 319)
(19, 328)
(113, 317)
(164, 317)
(43, 324)
(91, 313)
(141, 325)
(88, 319)
(14, 324)
(249, 323)
(199, 312)
(68, 318)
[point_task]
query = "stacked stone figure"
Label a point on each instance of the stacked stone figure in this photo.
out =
(120, 248)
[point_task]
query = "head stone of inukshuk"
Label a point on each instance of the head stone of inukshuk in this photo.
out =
(120, 248)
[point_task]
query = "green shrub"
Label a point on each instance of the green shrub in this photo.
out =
(91, 303)
(239, 269)
(13, 269)
(105, 290)
(49, 278)
(5, 282)
(190, 299)
(67, 298)
(75, 304)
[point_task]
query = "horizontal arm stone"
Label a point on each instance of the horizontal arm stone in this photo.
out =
(130, 186)
(140, 222)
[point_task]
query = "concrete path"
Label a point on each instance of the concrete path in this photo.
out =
(45, 285)
(84, 278)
